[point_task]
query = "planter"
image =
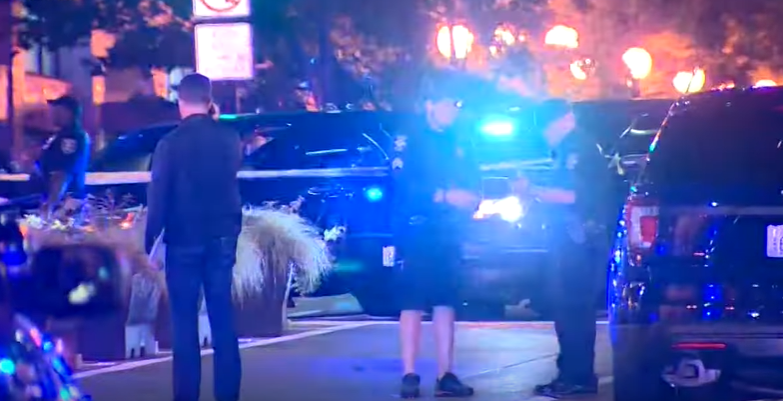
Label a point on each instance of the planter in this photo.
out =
(264, 314)
(125, 335)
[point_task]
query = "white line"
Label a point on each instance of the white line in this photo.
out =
(306, 313)
(259, 343)
(502, 324)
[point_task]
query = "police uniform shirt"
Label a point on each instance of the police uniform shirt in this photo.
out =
(68, 151)
(424, 163)
(579, 166)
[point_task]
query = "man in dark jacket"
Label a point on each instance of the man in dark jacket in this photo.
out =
(66, 154)
(193, 199)
(435, 195)
(578, 199)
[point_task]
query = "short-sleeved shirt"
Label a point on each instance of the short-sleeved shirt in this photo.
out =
(425, 161)
(580, 166)
(68, 151)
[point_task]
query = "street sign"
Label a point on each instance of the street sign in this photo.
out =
(221, 8)
(224, 52)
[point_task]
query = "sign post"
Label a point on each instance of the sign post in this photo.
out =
(224, 42)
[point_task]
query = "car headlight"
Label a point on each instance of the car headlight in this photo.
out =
(509, 209)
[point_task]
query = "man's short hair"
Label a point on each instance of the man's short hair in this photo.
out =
(195, 89)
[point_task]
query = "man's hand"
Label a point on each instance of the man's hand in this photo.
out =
(462, 198)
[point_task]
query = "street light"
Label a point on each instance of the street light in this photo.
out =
(639, 63)
(689, 81)
(462, 38)
(765, 82)
(562, 36)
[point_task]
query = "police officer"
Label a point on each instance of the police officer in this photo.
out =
(66, 154)
(434, 196)
(578, 201)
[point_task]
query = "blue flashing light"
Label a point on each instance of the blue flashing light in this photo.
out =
(7, 366)
(497, 127)
(373, 194)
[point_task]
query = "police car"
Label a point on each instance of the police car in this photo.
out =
(697, 275)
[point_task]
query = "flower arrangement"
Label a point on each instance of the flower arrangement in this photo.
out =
(275, 243)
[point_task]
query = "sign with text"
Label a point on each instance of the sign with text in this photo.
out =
(224, 52)
(221, 8)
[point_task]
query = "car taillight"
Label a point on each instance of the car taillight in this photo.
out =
(641, 221)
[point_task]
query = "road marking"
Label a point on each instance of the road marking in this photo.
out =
(492, 325)
(305, 313)
(258, 343)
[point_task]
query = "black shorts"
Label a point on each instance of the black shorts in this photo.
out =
(431, 257)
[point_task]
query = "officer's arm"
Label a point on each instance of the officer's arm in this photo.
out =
(157, 193)
(67, 152)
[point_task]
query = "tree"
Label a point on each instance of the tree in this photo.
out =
(149, 35)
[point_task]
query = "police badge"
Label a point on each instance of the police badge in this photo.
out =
(400, 143)
(68, 146)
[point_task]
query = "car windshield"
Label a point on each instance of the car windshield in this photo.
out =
(719, 147)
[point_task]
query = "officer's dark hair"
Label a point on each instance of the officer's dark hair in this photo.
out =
(195, 89)
(69, 103)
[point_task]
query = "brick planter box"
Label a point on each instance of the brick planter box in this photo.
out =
(125, 335)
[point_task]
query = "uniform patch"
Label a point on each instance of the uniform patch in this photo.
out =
(400, 143)
(397, 163)
(68, 146)
(572, 161)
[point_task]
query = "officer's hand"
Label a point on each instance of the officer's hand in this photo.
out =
(462, 198)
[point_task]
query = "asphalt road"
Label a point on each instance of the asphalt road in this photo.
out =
(358, 361)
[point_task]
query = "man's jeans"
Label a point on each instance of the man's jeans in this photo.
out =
(188, 270)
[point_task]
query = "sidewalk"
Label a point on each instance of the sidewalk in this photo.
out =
(357, 361)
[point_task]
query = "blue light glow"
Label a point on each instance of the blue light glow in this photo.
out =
(373, 194)
(497, 126)
(7, 366)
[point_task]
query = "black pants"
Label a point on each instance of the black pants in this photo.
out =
(188, 270)
(577, 279)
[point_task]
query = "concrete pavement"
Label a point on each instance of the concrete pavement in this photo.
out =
(330, 361)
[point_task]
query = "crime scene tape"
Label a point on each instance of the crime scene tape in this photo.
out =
(141, 177)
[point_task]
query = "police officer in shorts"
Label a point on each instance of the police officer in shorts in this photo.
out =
(436, 186)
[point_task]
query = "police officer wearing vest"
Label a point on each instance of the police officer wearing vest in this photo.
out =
(66, 154)
(576, 199)
(436, 186)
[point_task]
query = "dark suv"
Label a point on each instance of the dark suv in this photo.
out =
(696, 279)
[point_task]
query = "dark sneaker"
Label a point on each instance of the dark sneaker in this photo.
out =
(410, 386)
(561, 389)
(450, 386)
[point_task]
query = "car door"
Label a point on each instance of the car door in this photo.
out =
(331, 163)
